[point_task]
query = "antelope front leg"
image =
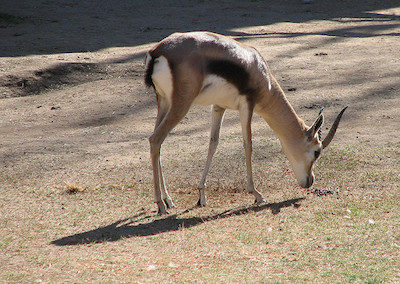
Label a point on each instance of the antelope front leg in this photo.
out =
(216, 121)
(246, 113)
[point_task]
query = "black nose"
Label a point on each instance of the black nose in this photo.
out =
(310, 181)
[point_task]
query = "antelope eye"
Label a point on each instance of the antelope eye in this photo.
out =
(317, 153)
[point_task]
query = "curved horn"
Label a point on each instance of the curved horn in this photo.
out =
(320, 129)
(332, 131)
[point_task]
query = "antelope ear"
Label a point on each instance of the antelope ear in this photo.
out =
(315, 127)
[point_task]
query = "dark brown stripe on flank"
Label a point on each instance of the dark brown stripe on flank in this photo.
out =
(233, 73)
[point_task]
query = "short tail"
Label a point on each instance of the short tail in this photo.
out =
(149, 61)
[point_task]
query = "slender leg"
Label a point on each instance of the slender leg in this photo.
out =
(217, 117)
(246, 114)
(180, 93)
(155, 156)
(164, 192)
(163, 107)
(170, 120)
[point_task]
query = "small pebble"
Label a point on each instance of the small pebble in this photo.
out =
(322, 191)
(172, 265)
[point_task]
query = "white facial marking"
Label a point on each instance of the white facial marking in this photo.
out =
(300, 165)
(162, 77)
(217, 91)
(300, 172)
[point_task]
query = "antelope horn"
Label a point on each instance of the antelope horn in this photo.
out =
(332, 131)
(320, 129)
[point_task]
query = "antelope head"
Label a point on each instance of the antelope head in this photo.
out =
(303, 155)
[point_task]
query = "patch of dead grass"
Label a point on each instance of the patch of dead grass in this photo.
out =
(74, 188)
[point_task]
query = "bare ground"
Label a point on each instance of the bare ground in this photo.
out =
(75, 117)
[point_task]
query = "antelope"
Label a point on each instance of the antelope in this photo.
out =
(204, 68)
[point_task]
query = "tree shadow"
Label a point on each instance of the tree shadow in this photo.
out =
(134, 226)
(68, 74)
(52, 78)
(51, 27)
(149, 22)
(360, 31)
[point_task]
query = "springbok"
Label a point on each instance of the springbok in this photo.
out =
(203, 68)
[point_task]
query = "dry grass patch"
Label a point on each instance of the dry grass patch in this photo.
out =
(114, 233)
(74, 188)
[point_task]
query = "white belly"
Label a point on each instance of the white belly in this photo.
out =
(218, 91)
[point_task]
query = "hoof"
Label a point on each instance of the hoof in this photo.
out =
(201, 203)
(259, 200)
(162, 212)
(202, 197)
(162, 208)
(168, 202)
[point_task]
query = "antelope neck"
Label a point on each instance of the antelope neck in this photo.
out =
(276, 110)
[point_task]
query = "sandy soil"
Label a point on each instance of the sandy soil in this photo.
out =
(74, 111)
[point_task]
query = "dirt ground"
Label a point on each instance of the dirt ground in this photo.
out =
(75, 117)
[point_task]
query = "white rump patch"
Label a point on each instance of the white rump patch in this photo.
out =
(217, 91)
(162, 77)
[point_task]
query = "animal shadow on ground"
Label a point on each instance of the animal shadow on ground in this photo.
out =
(131, 227)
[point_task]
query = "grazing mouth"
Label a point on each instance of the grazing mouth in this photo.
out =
(309, 182)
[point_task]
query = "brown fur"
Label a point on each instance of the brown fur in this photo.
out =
(212, 57)
(191, 56)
